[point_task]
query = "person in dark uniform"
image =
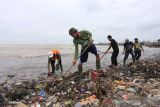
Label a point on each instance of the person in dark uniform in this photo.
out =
(128, 49)
(115, 48)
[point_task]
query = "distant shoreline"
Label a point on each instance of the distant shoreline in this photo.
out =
(151, 45)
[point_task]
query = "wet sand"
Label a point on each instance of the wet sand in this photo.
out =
(29, 61)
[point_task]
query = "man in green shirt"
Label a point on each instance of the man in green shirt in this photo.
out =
(83, 38)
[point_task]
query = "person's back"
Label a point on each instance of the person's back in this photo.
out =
(128, 45)
(114, 45)
(84, 38)
(56, 54)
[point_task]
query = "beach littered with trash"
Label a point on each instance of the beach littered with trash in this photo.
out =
(133, 85)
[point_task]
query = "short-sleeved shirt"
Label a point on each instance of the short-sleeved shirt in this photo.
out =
(137, 45)
(85, 37)
(128, 45)
(114, 45)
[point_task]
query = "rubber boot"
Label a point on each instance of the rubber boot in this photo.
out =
(79, 72)
(133, 59)
(98, 63)
(80, 68)
(124, 62)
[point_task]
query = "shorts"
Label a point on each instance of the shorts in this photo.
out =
(84, 56)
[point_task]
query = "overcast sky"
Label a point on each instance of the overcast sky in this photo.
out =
(48, 21)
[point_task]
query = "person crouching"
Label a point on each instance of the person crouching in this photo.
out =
(54, 56)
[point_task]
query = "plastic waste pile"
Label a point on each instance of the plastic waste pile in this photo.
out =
(134, 85)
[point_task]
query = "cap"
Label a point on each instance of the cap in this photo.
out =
(72, 30)
(50, 54)
(136, 39)
(109, 36)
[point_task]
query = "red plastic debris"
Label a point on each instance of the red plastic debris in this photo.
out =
(95, 74)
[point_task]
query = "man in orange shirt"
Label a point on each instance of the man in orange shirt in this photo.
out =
(54, 56)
